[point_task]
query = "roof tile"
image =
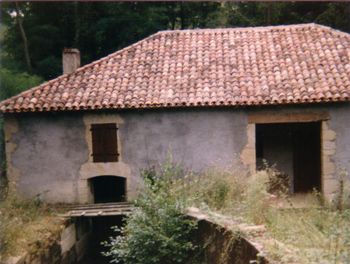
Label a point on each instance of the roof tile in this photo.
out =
(305, 63)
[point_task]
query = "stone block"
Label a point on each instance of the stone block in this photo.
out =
(328, 167)
(328, 145)
(248, 156)
(328, 152)
(325, 126)
(330, 186)
(68, 238)
(250, 136)
(328, 135)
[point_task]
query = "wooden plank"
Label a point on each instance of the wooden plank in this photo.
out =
(99, 213)
(92, 207)
(292, 117)
(99, 205)
(99, 210)
(88, 210)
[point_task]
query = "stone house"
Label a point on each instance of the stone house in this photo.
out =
(210, 97)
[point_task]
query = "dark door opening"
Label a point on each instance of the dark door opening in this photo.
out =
(295, 150)
(108, 189)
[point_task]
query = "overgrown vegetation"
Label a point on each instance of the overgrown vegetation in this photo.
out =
(317, 233)
(13, 83)
(313, 234)
(25, 225)
(157, 231)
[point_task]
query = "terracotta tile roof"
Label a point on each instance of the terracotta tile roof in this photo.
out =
(305, 63)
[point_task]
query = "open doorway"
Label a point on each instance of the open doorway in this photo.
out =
(295, 150)
(107, 189)
(101, 230)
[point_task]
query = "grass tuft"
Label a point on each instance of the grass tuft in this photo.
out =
(24, 223)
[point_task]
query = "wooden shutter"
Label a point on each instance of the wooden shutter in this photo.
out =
(104, 142)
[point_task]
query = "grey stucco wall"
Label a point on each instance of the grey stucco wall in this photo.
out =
(50, 149)
(340, 123)
(49, 152)
(195, 139)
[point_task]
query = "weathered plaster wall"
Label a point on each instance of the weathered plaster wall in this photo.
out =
(45, 154)
(50, 154)
(337, 147)
(195, 139)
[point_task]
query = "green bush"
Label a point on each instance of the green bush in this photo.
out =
(157, 231)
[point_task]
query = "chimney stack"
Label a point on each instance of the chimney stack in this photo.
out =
(70, 60)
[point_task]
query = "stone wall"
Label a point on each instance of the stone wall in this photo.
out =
(68, 248)
(226, 242)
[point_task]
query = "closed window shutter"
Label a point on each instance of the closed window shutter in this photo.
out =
(104, 142)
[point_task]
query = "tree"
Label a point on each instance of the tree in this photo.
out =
(99, 28)
(18, 17)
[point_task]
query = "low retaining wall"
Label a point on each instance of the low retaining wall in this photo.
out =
(68, 248)
(224, 242)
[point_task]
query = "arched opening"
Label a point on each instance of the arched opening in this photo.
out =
(107, 189)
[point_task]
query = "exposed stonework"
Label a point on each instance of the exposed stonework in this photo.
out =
(11, 128)
(217, 235)
(329, 181)
(248, 155)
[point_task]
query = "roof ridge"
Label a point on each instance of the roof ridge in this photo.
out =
(333, 30)
(255, 28)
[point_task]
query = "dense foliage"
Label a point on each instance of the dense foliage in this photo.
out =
(12, 83)
(100, 28)
(157, 231)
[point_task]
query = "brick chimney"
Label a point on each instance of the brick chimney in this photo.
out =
(70, 60)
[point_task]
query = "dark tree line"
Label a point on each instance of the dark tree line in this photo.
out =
(34, 39)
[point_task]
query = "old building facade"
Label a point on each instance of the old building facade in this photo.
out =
(224, 97)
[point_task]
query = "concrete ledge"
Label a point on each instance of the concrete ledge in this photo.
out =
(224, 240)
